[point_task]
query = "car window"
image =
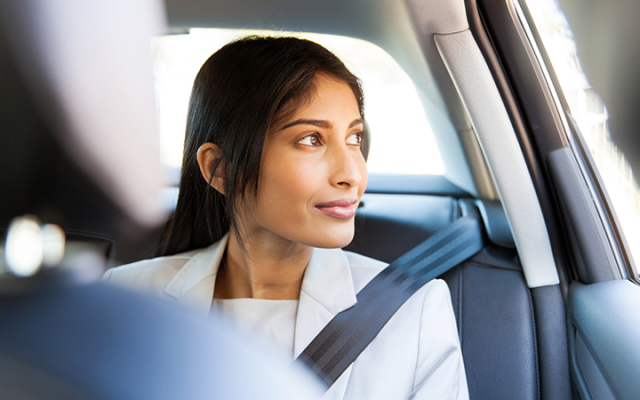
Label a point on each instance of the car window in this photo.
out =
(402, 139)
(590, 114)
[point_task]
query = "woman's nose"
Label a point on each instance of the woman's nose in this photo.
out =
(346, 168)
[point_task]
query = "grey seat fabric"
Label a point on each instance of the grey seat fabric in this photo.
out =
(496, 325)
(491, 300)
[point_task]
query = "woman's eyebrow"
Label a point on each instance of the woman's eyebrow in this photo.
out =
(315, 122)
(320, 123)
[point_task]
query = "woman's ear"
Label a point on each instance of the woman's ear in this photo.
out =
(210, 157)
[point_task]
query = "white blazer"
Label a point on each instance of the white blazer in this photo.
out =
(416, 355)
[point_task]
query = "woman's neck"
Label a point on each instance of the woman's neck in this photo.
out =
(262, 268)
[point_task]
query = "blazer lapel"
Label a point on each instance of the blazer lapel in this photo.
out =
(194, 283)
(327, 289)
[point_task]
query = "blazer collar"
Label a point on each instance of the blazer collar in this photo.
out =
(327, 288)
(195, 281)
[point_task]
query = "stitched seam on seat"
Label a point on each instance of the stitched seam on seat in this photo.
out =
(516, 268)
(460, 277)
(535, 343)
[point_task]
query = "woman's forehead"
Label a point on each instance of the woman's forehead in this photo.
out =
(319, 103)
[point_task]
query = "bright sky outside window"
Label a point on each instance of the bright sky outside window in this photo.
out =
(591, 115)
(402, 140)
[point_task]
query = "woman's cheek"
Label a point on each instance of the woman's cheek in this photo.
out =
(301, 174)
(291, 182)
(365, 177)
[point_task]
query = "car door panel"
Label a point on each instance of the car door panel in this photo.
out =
(604, 332)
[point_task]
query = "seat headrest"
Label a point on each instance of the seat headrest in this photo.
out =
(79, 144)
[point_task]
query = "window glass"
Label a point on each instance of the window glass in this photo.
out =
(402, 140)
(590, 114)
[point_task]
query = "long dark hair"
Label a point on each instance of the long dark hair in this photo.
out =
(236, 96)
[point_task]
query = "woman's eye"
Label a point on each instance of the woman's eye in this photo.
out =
(355, 139)
(311, 140)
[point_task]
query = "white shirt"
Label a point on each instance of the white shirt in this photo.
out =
(416, 355)
(273, 319)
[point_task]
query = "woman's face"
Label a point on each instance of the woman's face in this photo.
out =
(312, 173)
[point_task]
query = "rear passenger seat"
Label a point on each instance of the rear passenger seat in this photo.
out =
(491, 300)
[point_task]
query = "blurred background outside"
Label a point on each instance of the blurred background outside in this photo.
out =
(590, 113)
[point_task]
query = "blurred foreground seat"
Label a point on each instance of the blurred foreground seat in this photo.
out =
(79, 153)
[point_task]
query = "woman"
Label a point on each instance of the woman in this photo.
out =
(272, 175)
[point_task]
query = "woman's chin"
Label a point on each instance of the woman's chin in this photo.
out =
(332, 240)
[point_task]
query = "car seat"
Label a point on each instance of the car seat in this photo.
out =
(494, 308)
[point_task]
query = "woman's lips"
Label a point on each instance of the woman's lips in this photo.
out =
(341, 209)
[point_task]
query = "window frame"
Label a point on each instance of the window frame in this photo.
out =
(577, 144)
(509, 43)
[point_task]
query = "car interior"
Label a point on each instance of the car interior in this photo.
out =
(537, 307)
(513, 334)
(503, 322)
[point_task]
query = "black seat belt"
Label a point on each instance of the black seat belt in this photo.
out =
(347, 335)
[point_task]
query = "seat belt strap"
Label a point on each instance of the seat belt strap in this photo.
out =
(347, 335)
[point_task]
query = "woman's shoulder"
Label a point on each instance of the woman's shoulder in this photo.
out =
(363, 268)
(149, 275)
